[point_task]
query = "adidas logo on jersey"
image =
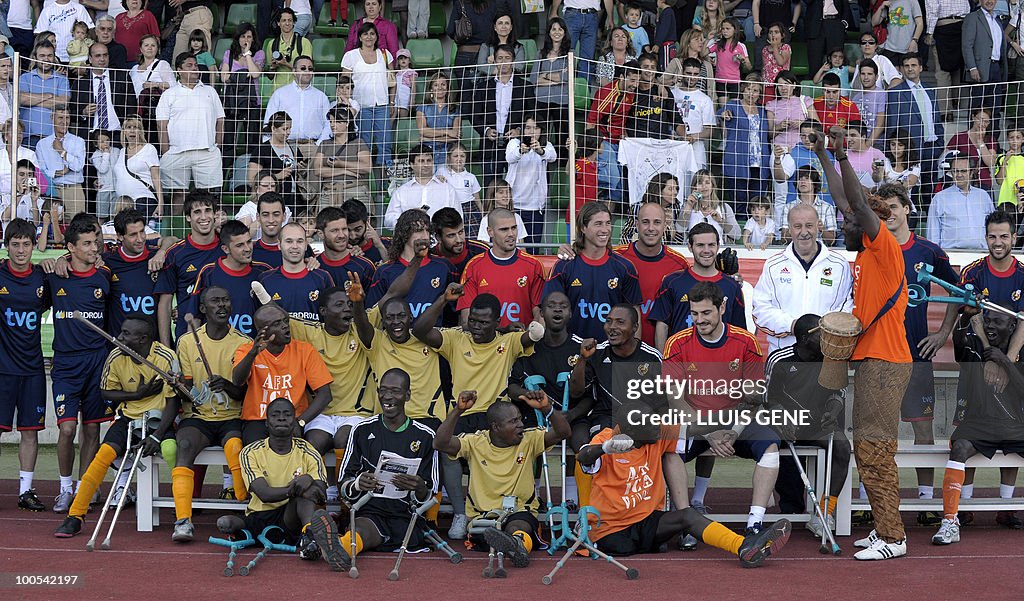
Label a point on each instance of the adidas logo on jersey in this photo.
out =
(792, 369)
(576, 282)
(483, 282)
(114, 278)
(276, 297)
(190, 269)
(131, 379)
(61, 292)
(4, 290)
(371, 436)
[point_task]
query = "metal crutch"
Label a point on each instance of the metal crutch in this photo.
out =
(353, 572)
(814, 499)
(416, 515)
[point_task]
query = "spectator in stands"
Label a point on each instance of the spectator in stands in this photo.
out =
(104, 99)
(343, 98)
(608, 112)
(788, 110)
(747, 153)
(653, 113)
(832, 107)
(419, 17)
(137, 170)
(904, 24)
(466, 185)
(703, 205)
(62, 158)
(190, 118)
(134, 25)
(119, 59)
(101, 159)
(40, 91)
(263, 183)
(387, 33)
(775, 56)
(956, 216)
(240, 72)
(502, 32)
(979, 143)
(696, 108)
(303, 16)
(19, 21)
(825, 25)
(1015, 41)
(305, 105)
(708, 18)
(784, 12)
(499, 196)
(24, 153)
(196, 14)
(342, 163)
(150, 78)
(437, 119)
(25, 204)
(901, 162)
(424, 191)
(808, 193)
(731, 59)
(632, 17)
(550, 78)
(528, 158)
(619, 52)
(480, 14)
(6, 88)
(836, 63)
(369, 66)
(59, 17)
(664, 190)
(984, 48)
(786, 163)
(867, 161)
(284, 48)
(583, 20)
(693, 45)
(502, 103)
(1010, 168)
(870, 103)
(887, 75)
(912, 107)
(288, 162)
(405, 83)
(944, 33)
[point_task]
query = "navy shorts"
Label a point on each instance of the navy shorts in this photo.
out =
(919, 400)
(25, 395)
(217, 432)
(751, 444)
(76, 388)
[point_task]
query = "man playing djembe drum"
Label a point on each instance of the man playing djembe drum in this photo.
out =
(883, 359)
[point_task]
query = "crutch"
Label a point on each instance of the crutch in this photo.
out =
(442, 545)
(120, 505)
(91, 545)
(233, 547)
(267, 548)
(835, 550)
(537, 382)
(826, 530)
(581, 538)
(353, 572)
(493, 519)
(417, 513)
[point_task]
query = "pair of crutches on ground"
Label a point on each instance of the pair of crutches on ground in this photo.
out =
(235, 545)
(828, 539)
(562, 534)
(143, 427)
(494, 519)
(417, 512)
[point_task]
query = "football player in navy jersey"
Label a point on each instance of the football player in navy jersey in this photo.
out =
(235, 271)
(337, 258)
(78, 352)
(671, 311)
(270, 216)
(184, 260)
(361, 234)
(597, 278)
(24, 297)
(452, 244)
(919, 400)
(292, 286)
(433, 277)
(135, 267)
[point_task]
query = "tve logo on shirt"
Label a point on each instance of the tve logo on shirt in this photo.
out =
(22, 319)
(138, 304)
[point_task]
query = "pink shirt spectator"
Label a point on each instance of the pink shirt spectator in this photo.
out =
(772, 68)
(128, 31)
(794, 108)
(387, 35)
(727, 70)
(962, 143)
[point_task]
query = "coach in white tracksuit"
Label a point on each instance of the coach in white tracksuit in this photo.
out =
(806, 277)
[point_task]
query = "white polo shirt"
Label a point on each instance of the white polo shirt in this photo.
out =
(191, 116)
(430, 197)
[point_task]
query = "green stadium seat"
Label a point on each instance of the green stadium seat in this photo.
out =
(328, 84)
(799, 62)
(426, 53)
(222, 46)
(470, 138)
(810, 89)
(582, 93)
(338, 30)
(327, 53)
(215, 12)
(852, 52)
(529, 48)
(406, 135)
(558, 190)
(266, 90)
(438, 22)
(239, 13)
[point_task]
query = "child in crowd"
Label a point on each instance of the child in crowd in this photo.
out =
(528, 157)
(759, 230)
(837, 64)
(405, 77)
(199, 46)
(307, 219)
(634, 18)
(78, 47)
(102, 160)
(343, 92)
(499, 196)
(5, 46)
(117, 205)
(731, 59)
(50, 231)
(708, 19)
(339, 8)
(467, 187)
(25, 204)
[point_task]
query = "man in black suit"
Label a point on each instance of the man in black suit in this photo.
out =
(825, 26)
(102, 99)
(119, 58)
(502, 105)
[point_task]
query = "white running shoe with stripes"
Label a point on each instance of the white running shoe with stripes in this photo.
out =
(864, 543)
(949, 532)
(882, 550)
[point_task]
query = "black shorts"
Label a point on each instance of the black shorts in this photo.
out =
(919, 400)
(257, 521)
(75, 380)
(26, 395)
(641, 537)
(751, 444)
(988, 438)
(474, 422)
(391, 528)
(216, 432)
(479, 544)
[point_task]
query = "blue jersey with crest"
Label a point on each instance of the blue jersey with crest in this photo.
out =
(919, 251)
(672, 305)
(593, 288)
(1004, 287)
(181, 268)
(430, 282)
(24, 297)
(297, 293)
(361, 266)
(239, 287)
(84, 291)
(131, 285)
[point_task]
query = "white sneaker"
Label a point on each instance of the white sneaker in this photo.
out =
(882, 550)
(864, 543)
(949, 532)
(128, 501)
(814, 524)
(459, 526)
(62, 503)
(332, 494)
(184, 531)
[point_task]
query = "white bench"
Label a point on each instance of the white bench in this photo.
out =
(930, 456)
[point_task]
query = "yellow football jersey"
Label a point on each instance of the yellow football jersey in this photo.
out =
(121, 372)
(481, 367)
(260, 461)
(220, 354)
(417, 359)
(353, 391)
(496, 472)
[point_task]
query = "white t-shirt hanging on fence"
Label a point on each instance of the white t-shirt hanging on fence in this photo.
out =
(646, 157)
(698, 112)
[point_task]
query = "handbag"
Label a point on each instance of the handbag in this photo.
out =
(149, 97)
(124, 160)
(463, 26)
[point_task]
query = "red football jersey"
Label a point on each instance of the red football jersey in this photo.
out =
(652, 270)
(517, 282)
(717, 374)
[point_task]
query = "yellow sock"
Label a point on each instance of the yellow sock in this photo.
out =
(583, 485)
(431, 514)
(182, 482)
(526, 538)
(721, 537)
(828, 504)
(339, 456)
(346, 543)
(232, 448)
(92, 479)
